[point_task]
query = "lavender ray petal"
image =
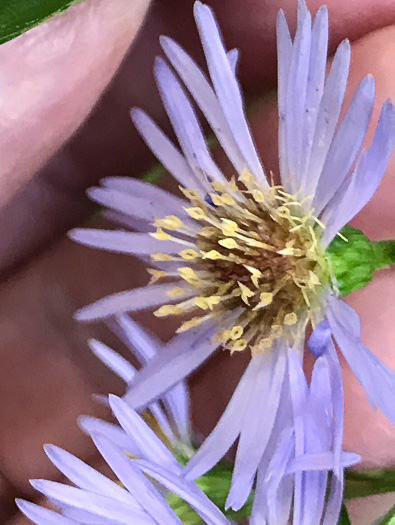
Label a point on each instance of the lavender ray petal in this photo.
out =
(115, 434)
(277, 494)
(185, 124)
(186, 490)
(228, 427)
(284, 54)
(321, 461)
(148, 443)
(142, 343)
(375, 377)
(86, 477)
(126, 514)
(122, 242)
(166, 152)
(85, 518)
(42, 516)
(319, 339)
(298, 388)
(227, 88)
(135, 482)
(144, 190)
(131, 301)
(346, 144)
(233, 57)
(257, 426)
(296, 99)
(328, 114)
(147, 345)
(314, 89)
(141, 208)
(206, 99)
(370, 169)
(335, 500)
(113, 360)
(180, 357)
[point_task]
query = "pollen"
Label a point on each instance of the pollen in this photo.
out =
(161, 235)
(169, 223)
(229, 243)
(189, 255)
(255, 258)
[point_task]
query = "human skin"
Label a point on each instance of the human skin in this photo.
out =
(50, 78)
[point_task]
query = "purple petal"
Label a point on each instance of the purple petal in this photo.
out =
(166, 152)
(366, 178)
(299, 391)
(314, 89)
(375, 377)
(205, 97)
(188, 491)
(296, 99)
(135, 482)
(257, 425)
(114, 433)
(42, 516)
(284, 56)
(147, 442)
(319, 339)
(328, 114)
(127, 514)
(185, 123)
(226, 87)
(346, 144)
(228, 427)
(130, 301)
(86, 477)
(113, 360)
(233, 57)
(122, 242)
(179, 358)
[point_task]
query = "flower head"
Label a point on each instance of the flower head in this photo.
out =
(244, 252)
(245, 258)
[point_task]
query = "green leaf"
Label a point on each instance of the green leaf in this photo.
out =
(363, 483)
(355, 259)
(18, 16)
(344, 519)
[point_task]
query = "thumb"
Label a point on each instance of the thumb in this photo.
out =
(51, 77)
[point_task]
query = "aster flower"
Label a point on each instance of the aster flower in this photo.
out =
(247, 259)
(99, 500)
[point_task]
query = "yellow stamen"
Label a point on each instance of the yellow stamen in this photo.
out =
(236, 333)
(190, 276)
(168, 309)
(255, 274)
(229, 228)
(176, 292)
(238, 346)
(290, 319)
(246, 293)
(213, 255)
(156, 256)
(195, 321)
(228, 243)
(196, 213)
(161, 235)
(189, 254)
(207, 303)
(156, 274)
(169, 223)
